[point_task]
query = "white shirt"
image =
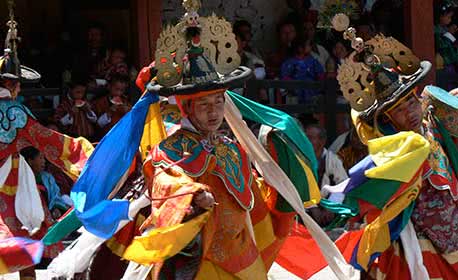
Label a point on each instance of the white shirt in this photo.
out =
(333, 169)
(322, 56)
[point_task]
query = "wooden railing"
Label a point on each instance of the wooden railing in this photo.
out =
(327, 103)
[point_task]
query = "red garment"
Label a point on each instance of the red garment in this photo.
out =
(10, 226)
(81, 126)
(102, 106)
(21, 132)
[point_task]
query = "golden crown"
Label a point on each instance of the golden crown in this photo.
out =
(376, 59)
(215, 37)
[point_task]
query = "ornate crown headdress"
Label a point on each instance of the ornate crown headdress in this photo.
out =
(11, 42)
(10, 67)
(205, 42)
(377, 71)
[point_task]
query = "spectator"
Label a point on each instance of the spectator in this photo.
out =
(330, 168)
(116, 63)
(318, 51)
(444, 41)
(253, 62)
(74, 114)
(111, 108)
(249, 59)
(62, 180)
(57, 204)
(243, 28)
(90, 59)
(302, 66)
(349, 148)
(340, 51)
(286, 32)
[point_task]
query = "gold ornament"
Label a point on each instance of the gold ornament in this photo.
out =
(395, 54)
(192, 5)
(355, 85)
(219, 43)
(170, 41)
(340, 22)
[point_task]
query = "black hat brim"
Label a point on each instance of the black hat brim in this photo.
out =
(235, 79)
(28, 75)
(409, 83)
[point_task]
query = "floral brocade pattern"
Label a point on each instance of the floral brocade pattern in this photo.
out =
(442, 177)
(435, 216)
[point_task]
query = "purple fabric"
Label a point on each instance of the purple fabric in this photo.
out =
(357, 176)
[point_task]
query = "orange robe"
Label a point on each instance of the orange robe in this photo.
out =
(228, 249)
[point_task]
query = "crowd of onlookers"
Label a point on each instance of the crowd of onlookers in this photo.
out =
(97, 88)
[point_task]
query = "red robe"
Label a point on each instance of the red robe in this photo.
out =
(81, 125)
(22, 131)
(102, 106)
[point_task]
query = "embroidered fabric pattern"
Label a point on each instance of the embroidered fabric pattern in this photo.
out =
(13, 116)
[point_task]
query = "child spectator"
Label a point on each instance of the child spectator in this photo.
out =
(443, 40)
(74, 115)
(111, 108)
(330, 169)
(340, 51)
(244, 28)
(302, 66)
(57, 204)
(249, 59)
(116, 63)
(286, 35)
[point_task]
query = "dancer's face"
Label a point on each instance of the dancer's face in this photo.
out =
(407, 115)
(206, 113)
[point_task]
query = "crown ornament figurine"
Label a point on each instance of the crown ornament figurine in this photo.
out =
(378, 72)
(199, 53)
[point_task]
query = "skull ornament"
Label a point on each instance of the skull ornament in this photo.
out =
(358, 44)
(192, 19)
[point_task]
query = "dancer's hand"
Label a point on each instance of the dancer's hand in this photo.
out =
(204, 200)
